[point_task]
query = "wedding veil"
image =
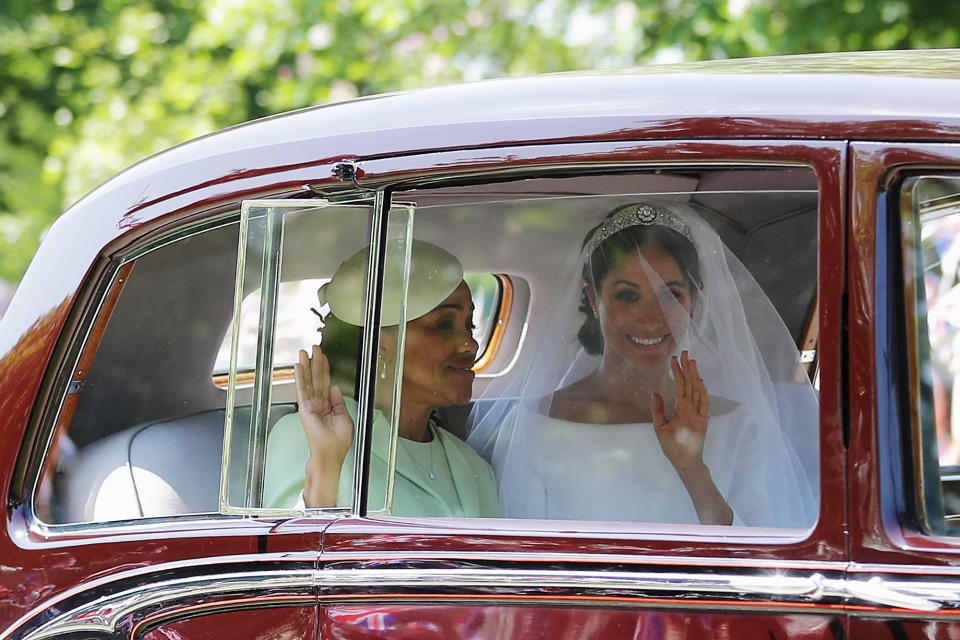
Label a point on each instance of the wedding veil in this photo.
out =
(748, 360)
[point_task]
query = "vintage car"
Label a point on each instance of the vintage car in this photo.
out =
(149, 352)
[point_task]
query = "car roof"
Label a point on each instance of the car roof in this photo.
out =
(867, 95)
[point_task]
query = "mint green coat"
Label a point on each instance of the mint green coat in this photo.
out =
(413, 492)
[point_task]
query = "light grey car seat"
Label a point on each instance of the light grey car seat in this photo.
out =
(158, 469)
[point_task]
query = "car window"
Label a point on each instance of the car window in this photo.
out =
(152, 402)
(490, 293)
(301, 291)
(140, 388)
(482, 313)
(710, 335)
(289, 311)
(715, 284)
(931, 239)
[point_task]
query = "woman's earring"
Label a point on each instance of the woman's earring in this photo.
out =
(382, 360)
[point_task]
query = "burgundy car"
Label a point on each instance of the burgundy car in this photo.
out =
(148, 357)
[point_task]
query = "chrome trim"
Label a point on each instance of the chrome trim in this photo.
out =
(263, 384)
(370, 342)
(234, 348)
(467, 164)
(876, 590)
(274, 212)
(228, 217)
(110, 614)
(813, 588)
(926, 492)
(905, 594)
(120, 611)
(910, 227)
(816, 587)
(724, 564)
(407, 234)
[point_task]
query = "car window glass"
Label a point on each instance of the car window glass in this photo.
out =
(466, 358)
(499, 442)
(284, 294)
(931, 219)
(141, 389)
(295, 330)
(306, 293)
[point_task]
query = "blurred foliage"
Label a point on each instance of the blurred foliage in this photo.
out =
(88, 87)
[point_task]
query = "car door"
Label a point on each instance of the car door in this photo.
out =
(512, 211)
(902, 387)
(126, 523)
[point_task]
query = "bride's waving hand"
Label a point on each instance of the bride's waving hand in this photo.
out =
(682, 436)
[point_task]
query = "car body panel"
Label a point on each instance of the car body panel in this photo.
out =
(258, 622)
(574, 620)
(827, 159)
(877, 537)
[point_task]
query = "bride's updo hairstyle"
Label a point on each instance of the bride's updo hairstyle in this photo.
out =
(627, 229)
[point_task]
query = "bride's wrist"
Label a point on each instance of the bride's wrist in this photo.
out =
(693, 471)
(709, 503)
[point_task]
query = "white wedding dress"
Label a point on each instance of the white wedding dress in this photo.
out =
(579, 471)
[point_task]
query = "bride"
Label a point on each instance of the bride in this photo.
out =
(677, 400)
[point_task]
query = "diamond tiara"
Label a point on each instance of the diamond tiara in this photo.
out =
(637, 215)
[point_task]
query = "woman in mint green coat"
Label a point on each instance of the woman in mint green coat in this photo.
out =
(310, 454)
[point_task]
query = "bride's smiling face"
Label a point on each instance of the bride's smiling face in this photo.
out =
(644, 305)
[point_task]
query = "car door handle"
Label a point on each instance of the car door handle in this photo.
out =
(875, 590)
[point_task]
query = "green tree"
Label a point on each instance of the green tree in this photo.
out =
(88, 87)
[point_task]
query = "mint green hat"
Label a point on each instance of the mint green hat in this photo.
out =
(434, 274)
